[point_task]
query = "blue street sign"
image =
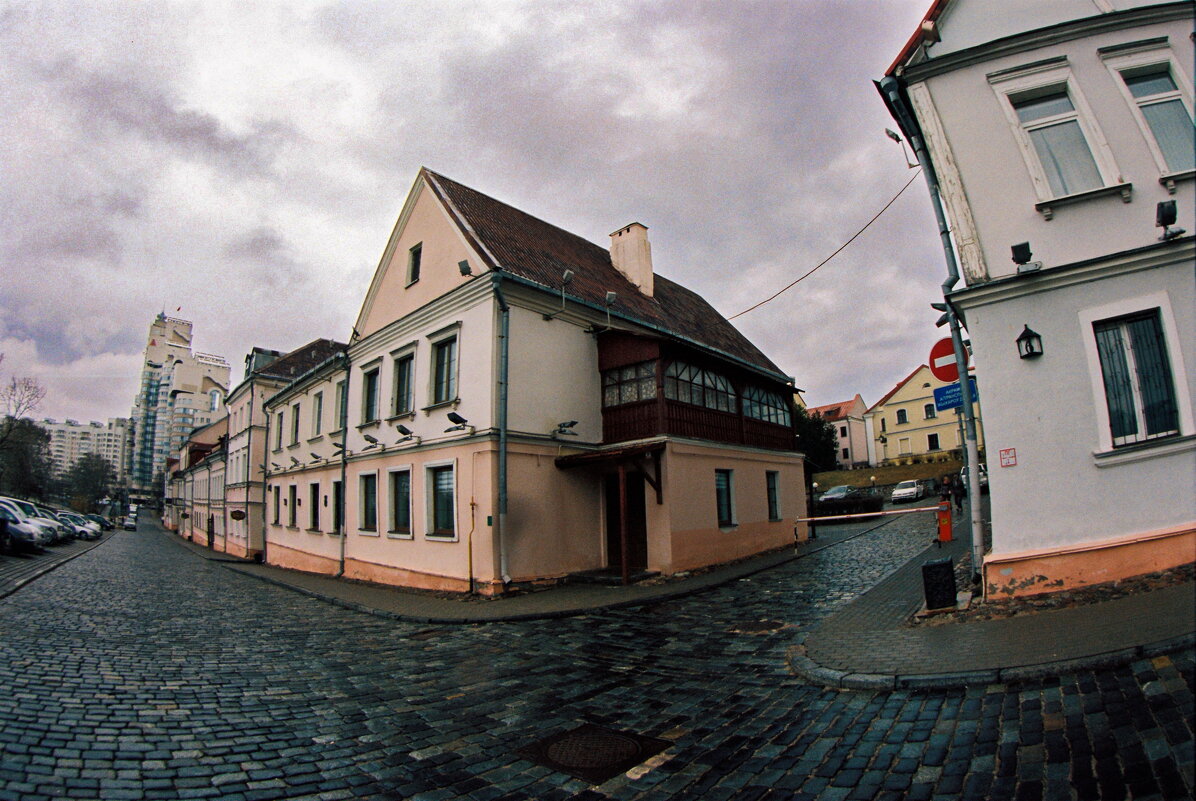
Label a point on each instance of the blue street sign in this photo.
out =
(951, 396)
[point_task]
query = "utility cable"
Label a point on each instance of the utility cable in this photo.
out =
(836, 253)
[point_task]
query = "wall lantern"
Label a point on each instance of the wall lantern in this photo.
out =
(1029, 343)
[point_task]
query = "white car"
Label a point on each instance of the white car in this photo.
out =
(907, 491)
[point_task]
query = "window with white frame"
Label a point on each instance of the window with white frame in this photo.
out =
(414, 258)
(400, 502)
(277, 504)
(1138, 385)
(902, 417)
(295, 424)
(342, 404)
(338, 506)
(404, 390)
(929, 412)
(317, 413)
(932, 442)
(1160, 95)
(442, 513)
(724, 497)
(369, 394)
(292, 504)
(1062, 145)
(367, 509)
(279, 429)
(444, 370)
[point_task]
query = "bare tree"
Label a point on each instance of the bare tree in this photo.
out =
(18, 397)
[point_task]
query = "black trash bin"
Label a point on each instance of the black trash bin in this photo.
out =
(938, 582)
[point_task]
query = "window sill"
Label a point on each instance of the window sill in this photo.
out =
(1151, 449)
(724, 527)
(293, 445)
(1168, 180)
(1047, 207)
(314, 531)
(369, 424)
(434, 537)
(368, 532)
(315, 439)
(399, 535)
(394, 418)
(455, 402)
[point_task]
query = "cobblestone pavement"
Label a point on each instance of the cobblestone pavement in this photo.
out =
(138, 670)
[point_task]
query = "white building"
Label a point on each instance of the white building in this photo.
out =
(180, 391)
(71, 440)
(1063, 130)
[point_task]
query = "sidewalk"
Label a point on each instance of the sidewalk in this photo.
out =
(864, 645)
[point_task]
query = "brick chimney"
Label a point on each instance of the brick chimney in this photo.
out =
(631, 255)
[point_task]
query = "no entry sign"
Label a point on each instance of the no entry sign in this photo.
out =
(942, 361)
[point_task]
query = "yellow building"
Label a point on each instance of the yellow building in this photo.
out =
(905, 426)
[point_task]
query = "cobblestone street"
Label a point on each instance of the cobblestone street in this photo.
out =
(138, 670)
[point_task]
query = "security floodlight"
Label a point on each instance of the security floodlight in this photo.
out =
(1165, 216)
(295, 461)
(566, 278)
(463, 266)
(338, 445)
(315, 456)
(456, 418)
(611, 297)
(368, 438)
(563, 429)
(460, 423)
(275, 465)
(1021, 253)
(404, 430)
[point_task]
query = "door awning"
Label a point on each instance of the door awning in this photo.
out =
(633, 455)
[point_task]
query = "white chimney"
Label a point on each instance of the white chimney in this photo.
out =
(631, 255)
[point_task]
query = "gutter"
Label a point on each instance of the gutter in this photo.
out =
(504, 341)
(893, 93)
(343, 356)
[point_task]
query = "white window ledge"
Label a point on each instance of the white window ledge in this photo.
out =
(1170, 178)
(1047, 207)
(1152, 449)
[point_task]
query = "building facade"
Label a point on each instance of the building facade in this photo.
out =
(71, 440)
(905, 426)
(1060, 139)
(851, 435)
(180, 390)
(518, 405)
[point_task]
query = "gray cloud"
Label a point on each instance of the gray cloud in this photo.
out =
(248, 162)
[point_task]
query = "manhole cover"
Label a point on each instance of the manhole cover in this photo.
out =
(758, 627)
(593, 753)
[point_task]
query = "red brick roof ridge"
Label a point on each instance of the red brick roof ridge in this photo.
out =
(539, 251)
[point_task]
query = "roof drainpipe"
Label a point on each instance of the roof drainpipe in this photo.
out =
(890, 89)
(504, 334)
(344, 424)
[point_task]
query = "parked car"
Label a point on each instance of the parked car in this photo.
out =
(130, 523)
(84, 528)
(852, 501)
(26, 533)
(908, 491)
(963, 476)
(54, 529)
(105, 523)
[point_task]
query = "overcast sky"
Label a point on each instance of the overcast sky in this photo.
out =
(246, 161)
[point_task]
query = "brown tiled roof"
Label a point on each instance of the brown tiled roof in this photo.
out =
(300, 360)
(522, 245)
(831, 411)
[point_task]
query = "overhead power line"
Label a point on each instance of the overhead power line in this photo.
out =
(838, 250)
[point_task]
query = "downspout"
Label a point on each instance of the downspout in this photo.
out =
(890, 89)
(504, 333)
(265, 474)
(344, 424)
(249, 482)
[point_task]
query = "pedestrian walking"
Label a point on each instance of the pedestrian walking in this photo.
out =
(957, 492)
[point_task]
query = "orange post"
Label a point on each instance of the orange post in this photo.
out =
(944, 521)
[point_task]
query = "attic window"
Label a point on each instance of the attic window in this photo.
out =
(414, 257)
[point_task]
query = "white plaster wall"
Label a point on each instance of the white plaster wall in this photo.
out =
(554, 377)
(997, 181)
(973, 22)
(1046, 409)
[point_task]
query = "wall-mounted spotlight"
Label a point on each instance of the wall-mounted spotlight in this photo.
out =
(408, 435)
(566, 278)
(295, 462)
(340, 445)
(275, 465)
(315, 457)
(897, 138)
(459, 423)
(1021, 257)
(368, 438)
(1029, 343)
(1164, 217)
(463, 266)
(563, 429)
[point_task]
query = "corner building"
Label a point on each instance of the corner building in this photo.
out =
(518, 405)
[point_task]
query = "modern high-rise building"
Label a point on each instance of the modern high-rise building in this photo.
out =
(180, 391)
(71, 440)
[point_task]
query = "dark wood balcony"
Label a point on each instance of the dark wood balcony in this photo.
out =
(662, 416)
